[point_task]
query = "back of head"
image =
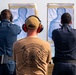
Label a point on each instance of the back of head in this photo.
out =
(32, 23)
(6, 14)
(66, 18)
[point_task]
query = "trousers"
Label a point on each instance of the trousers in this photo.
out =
(8, 68)
(64, 69)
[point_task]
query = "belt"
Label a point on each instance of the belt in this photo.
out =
(5, 59)
(64, 61)
(1, 59)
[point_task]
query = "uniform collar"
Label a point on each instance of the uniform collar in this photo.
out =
(5, 20)
(66, 25)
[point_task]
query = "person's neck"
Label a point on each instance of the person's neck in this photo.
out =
(32, 34)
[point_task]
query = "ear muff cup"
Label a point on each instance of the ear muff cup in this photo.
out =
(24, 27)
(40, 28)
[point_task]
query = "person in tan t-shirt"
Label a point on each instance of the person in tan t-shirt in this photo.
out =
(32, 54)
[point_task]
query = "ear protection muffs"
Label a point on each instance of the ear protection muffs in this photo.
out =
(24, 27)
(40, 28)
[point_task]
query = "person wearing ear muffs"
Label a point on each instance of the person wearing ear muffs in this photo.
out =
(8, 35)
(31, 53)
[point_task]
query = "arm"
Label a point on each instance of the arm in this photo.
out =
(49, 54)
(14, 52)
(15, 29)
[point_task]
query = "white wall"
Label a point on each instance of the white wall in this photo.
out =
(41, 6)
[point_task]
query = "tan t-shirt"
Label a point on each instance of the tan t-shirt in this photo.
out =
(32, 56)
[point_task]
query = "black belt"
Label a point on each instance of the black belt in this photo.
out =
(64, 61)
(4, 59)
(0, 59)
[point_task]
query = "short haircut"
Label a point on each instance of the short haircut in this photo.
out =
(6, 14)
(65, 18)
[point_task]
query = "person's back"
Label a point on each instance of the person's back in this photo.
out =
(31, 54)
(65, 47)
(65, 43)
(8, 32)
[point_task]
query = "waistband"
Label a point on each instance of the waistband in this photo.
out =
(64, 61)
(5, 59)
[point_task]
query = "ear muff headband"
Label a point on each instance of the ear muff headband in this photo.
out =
(40, 28)
(33, 16)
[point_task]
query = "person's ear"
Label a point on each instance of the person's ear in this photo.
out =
(61, 22)
(70, 22)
